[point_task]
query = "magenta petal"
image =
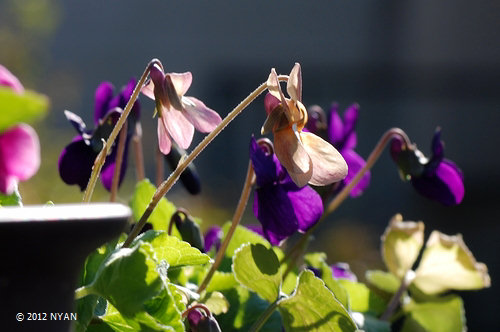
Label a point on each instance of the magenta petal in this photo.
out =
(75, 163)
(103, 96)
(164, 141)
(350, 118)
(213, 238)
(9, 80)
(203, 118)
(19, 152)
(270, 103)
(335, 127)
(445, 185)
(307, 205)
(354, 164)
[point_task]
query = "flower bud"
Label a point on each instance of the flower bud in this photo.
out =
(199, 322)
(188, 228)
(189, 177)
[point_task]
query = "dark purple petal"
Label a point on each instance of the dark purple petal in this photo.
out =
(103, 95)
(316, 120)
(76, 122)
(213, 238)
(108, 169)
(354, 164)
(274, 210)
(445, 185)
(397, 145)
(335, 127)
(266, 170)
(343, 271)
(75, 163)
(350, 119)
(194, 317)
(306, 203)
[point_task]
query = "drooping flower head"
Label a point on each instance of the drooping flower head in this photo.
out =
(279, 204)
(436, 178)
(19, 145)
(77, 158)
(178, 114)
(307, 157)
(342, 134)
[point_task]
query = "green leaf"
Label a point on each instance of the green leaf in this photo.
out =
(221, 281)
(313, 307)
(241, 236)
(172, 250)
(385, 281)
(164, 309)
(141, 321)
(401, 244)
(445, 314)
(245, 307)
(26, 107)
(161, 215)
(257, 268)
(447, 264)
(216, 303)
(128, 279)
(13, 199)
(362, 298)
(85, 306)
(318, 261)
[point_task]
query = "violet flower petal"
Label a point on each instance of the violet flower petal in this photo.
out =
(274, 210)
(306, 203)
(108, 169)
(264, 165)
(213, 238)
(354, 164)
(9, 80)
(19, 156)
(75, 163)
(445, 185)
(343, 271)
(178, 127)
(335, 127)
(103, 95)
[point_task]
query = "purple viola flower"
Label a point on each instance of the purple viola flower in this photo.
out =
(77, 158)
(279, 204)
(19, 156)
(19, 145)
(436, 178)
(342, 134)
(213, 238)
(343, 271)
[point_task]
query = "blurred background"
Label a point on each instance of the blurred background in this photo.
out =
(414, 64)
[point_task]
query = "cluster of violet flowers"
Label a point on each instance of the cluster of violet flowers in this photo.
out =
(307, 170)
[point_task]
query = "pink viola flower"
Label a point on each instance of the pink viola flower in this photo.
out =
(307, 157)
(178, 115)
(19, 145)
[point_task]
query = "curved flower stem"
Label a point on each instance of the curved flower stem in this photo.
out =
(138, 154)
(118, 127)
(344, 193)
(96, 170)
(238, 213)
(118, 162)
(184, 163)
(394, 302)
(264, 316)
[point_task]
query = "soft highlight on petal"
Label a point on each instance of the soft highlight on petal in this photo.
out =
(294, 84)
(203, 118)
(293, 156)
(181, 82)
(178, 127)
(164, 141)
(328, 164)
(9, 80)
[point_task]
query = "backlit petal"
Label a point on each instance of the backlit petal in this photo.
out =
(270, 103)
(203, 118)
(354, 164)
(294, 85)
(164, 142)
(293, 156)
(328, 164)
(8, 79)
(148, 89)
(20, 151)
(181, 82)
(307, 205)
(178, 127)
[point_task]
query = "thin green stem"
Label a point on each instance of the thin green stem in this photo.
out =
(118, 162)
(118, 127)
(396, 298)
(242, 203)
(184, 163)
(264, 316)
(344, 193)
(82, 292)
